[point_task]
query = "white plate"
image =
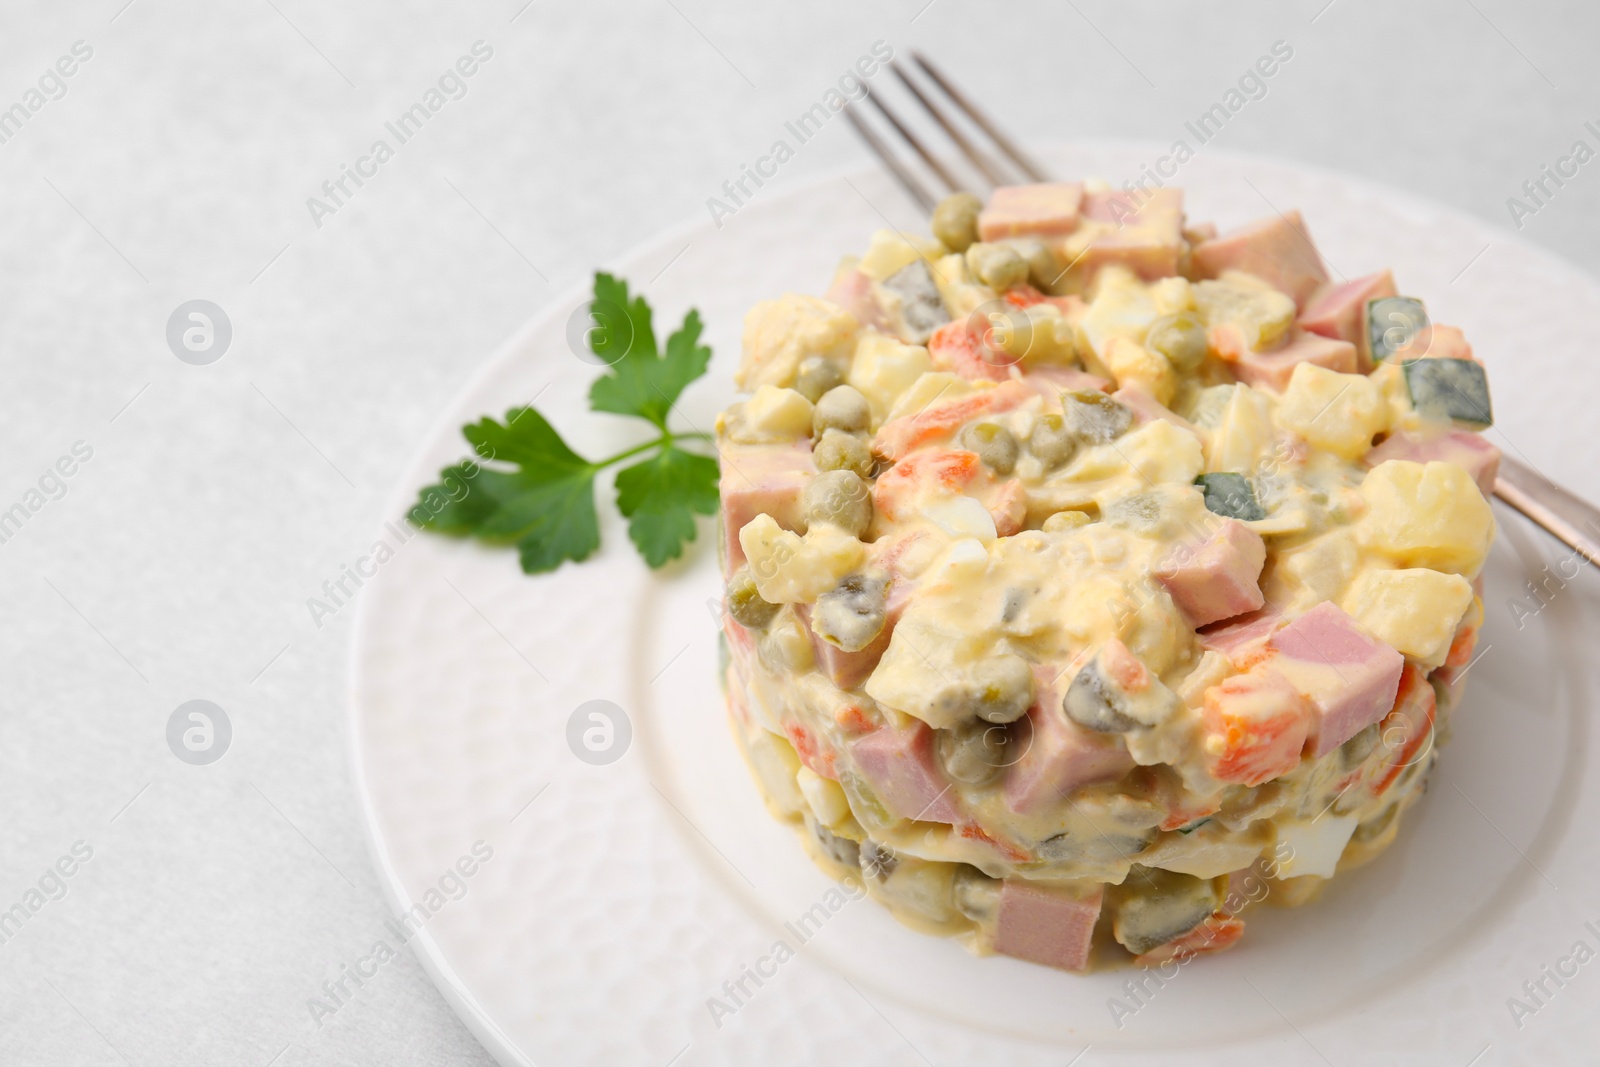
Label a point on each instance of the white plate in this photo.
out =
(619, 902)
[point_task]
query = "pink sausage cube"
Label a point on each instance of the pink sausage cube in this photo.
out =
(1046, 924)
(1148, 238)
(1272, 370)
(1350, 678)
(762, 480)
(853, 291)
(1277, 249)
(1146, 407)
(1240, 641)
(1058, 755)
(1465, 449)
(1216, 577)
(1047, 209)
(899, 766)
(1340, 311)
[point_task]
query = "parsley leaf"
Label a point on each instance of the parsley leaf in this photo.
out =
(539, 494)
(545, 507)
(660, 497)
(641, 382)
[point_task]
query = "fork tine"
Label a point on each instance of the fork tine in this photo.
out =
(976, 158)
(979, 119)
(950, 183)
(913, 187)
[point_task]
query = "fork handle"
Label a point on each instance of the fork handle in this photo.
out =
(1573, 521)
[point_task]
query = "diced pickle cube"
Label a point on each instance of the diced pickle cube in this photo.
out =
(852, 615)
(1454, 389)
(1092, 700)
(1094, 417)
(921, 309)
(1231, 496)
(1396, 326)
(1161, 905)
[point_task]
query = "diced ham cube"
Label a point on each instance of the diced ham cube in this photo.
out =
(1046, 924)
(1277, 249)
(849, 669)
(1146, 407)
(1255, 727)
(1142, 232)
(1470, 451)
(1273, 369)
(1046, 209)
(852, 290)
(1242, 641)
(958, 348)
(1350, 677)
(898, 437)
(1058, 755)
(1051, 381)
(898, 764)
(1216, 577)
(762, 480)
(1340, 311)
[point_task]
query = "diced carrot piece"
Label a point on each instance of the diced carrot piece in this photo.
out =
(960, 349)
(898, 487)
(812, 753)
(1256, 726)
(1024, 296)
(853, 720)
(1123, 667)
(1215, 934)
(1466, 638)
(1407, 731)
(897, 437)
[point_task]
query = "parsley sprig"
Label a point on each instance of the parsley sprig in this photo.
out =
(539, 493)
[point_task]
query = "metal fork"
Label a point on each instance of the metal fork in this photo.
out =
(997, 160)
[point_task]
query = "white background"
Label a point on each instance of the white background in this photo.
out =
(220, 498)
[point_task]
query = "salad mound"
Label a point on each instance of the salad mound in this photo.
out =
(1093, 577)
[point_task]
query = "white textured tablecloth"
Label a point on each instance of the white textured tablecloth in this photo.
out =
(207, 904)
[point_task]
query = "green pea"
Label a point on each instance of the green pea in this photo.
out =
(840, 497)
(997, 266)
(1043, 271)
(816, 376)
(745, 603)
(995, 445)
(955, 221)
(840, 451)
(841, 408)
(1181, 338)
(1050, 441)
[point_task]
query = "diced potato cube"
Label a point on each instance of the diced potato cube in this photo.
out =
(788, 568)
(774, 414)
(1130, 362)
(1415, 611)
(889, 251)
(1261, 312)
(778, 334)
(823, 795)
(1172, 295)
(1426, 516)
(928, 388)
(1340, 413)
(884, 368)
(1121, 307)
(1244, 432)
(1304, 576)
